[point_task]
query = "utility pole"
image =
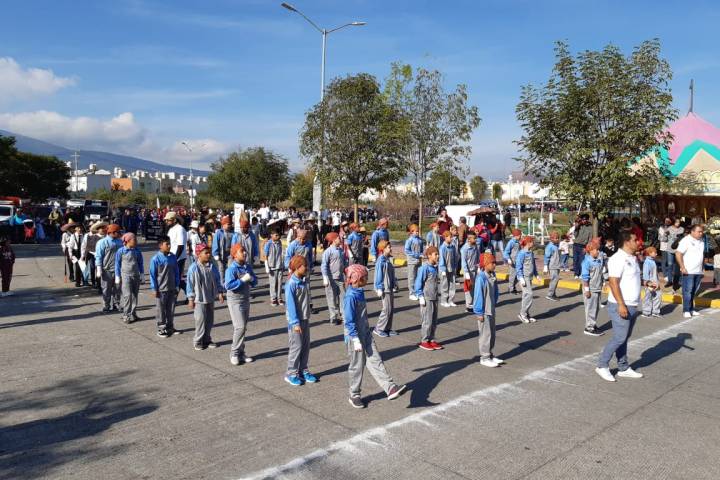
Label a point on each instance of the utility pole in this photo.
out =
(692, 95)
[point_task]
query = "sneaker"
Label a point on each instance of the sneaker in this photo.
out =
(452, 304)
(513, 292)
(605, 374)
(576, 277)
(309, 377)
(393, 333)
(246, 359)
(235, 360)
(106, 310)
(687, 315)
(497, 360)
(645, 315)
(200, 347)
(162, 334)
(413, 298)
(126, 320)
(532, 320)
(695, 313)
(593, 332)
(380, 333)
(211, 345)
(445, 305)
(469, 309)
(356, 402)
(629, 373)
(280, 302)
(335, 321)
(426, 346)
(656, 315)
(436, 345)
(293, 380)
(603, 305)
(552, 298)
(487, 362)
(395, 391)
(274, 303)
(523, 319)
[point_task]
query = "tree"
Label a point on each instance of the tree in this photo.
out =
(250, 176)
(478, 187)
(442, 186)
(598, 113)
(26, 175)
(440, 123)
(302, 189)
(354, 138)
(497, 191)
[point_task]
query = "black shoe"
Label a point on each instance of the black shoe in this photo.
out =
(356, 402)
(200, 347)
(106, 310)
(335, 321)
(593, 332)
(395, 391)
(469, 310)
(552, 298)
(163, 334)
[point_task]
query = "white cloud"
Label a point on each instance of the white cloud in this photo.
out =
(120, 134)
(18, 83)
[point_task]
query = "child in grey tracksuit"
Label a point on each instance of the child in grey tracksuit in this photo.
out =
(274, 266)
(469, 257)
(413, 254)
(526, 270)
(164, 281)
(203, 286)
(297, 299)
(592, 276)
(448, 266)
(333, 274)
(239, 277)
(552, 264)
(653, 297)
(510, 256)
(385, 284)
(426, 289)
(129, 271)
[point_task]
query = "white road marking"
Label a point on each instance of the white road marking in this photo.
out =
(374, 436)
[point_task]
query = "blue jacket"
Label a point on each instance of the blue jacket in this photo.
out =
(253, 239)
(587, 263)
(421, 276)
(481, 286)
(103, 245)
(649, 271)
(216, 242)
(414, 239)
(463, 261)
(290, 252)
(443, 251)
(352, 297)
(379, 234)
(509, 248)
(233, 274)
(121, 252)
(190, 288)
(380, 266)
(291, 287)
(162, 259)
(549, 250)
(520, 260)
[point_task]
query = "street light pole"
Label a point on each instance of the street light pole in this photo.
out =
(317, 186)
(192, 187)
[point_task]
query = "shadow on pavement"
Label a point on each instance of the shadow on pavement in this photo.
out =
(663, 349)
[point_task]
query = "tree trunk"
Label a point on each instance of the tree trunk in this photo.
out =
(595, 224)
(420, 216)
(357, 219)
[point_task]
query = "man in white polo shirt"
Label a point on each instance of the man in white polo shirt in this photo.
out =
(178, 244)
(690, 257)
(622, 307)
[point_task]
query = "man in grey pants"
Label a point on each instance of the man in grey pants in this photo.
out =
(333, 273)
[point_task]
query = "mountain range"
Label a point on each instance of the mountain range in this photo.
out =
(103, 160)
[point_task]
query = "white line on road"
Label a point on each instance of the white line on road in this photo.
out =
(375, 435)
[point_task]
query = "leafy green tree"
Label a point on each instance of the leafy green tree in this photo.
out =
(354, 138)
(137, 197)
(597, 114)
(26, 175)
(497, 191)
(302, 189)
(442, 186)
(250, 176)
(440, 123)
(478, 187)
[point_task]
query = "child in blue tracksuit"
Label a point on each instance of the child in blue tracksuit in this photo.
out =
(378, 235)
(247, 239)
(239, 278)
(526, 270)
(129, 272)
(552, 265)
(360, 345)
(486, 298)
(426, 289)
(221, 243)
(510, 256)
(202, 287)
(297, 300)
(653, 298)
(105, 251)
(274, 266)
(164, 282)
(433, 239)
(354, 242)
(385, 284)
(591, 274)
(469, 258)
(304, 248)
(447, 267)
(413, 253)
(333, 273)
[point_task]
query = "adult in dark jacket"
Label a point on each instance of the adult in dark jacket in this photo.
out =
(583, 234)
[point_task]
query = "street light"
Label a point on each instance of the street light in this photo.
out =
(317, 187)
(192, 187)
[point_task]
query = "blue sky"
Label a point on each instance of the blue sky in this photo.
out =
(140, 76)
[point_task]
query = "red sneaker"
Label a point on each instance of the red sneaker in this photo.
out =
(426, 346)
(436, 345)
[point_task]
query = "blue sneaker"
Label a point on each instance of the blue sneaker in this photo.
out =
(309, 377)
(380, 333)
(293, 380)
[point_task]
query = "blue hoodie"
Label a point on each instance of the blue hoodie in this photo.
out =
(232, 277)
(296, 290)
(158, 264)
(355, 312)
(379, 234)
(414, 241)
(481, 286)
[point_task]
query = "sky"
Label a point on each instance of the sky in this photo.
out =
(139, 77)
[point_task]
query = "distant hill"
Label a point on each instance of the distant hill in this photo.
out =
(104, 160)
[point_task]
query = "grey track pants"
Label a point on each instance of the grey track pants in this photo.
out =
(130, 289)
(429, 316)
(369, 357)
(512, 279)
(447, 287)
(298, 349)
(239, 314)
(471, 290)
(275, 278)
(592, 308)
(110, 291)
(486, 336)
(652, 302)
(412, 269)
(165, 311)
(332, 295)
(385, 320)
(204, 314)
(554, 279)
(527, 298)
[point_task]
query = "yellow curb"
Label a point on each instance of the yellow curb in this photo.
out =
(399, 262)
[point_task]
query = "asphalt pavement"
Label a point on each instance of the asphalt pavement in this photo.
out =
(84, 396)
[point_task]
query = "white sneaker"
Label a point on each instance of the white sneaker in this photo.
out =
(523, 319)
(629, 373)
(452, 304)
(532, 320)
(446, 305)
(235, 360)
(694, 312)
(687, 315)
(497, 360)
(413, 297)
(605, 374)
(488, 362)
